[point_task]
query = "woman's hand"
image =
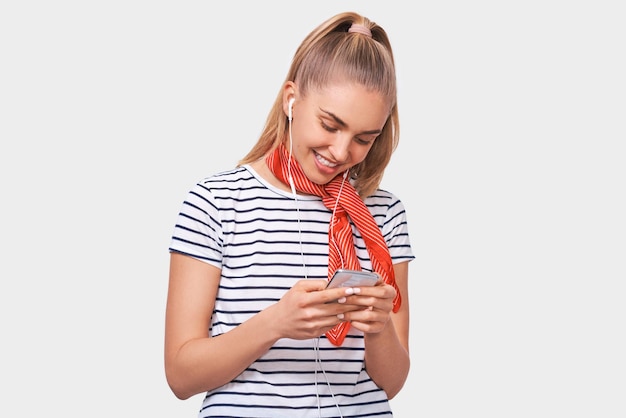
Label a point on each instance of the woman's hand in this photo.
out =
(373, 304)
(309, 310)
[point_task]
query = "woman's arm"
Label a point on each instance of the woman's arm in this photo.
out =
(387, 336)
(196, 362)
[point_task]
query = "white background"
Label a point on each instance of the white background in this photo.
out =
(511, 166)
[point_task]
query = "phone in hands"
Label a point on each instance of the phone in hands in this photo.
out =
(352, 278)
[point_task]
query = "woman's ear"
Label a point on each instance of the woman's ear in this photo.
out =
(289, 97)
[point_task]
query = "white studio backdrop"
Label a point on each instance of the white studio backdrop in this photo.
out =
(511, 166)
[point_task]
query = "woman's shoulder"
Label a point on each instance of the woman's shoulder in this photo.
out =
(382, 197)
(224, 183)
(383, 203)
(234, 174)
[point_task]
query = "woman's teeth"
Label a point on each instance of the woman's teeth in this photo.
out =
(324, 161)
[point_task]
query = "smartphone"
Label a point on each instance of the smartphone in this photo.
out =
(352, 278)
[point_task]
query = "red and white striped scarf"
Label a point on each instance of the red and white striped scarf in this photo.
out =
(343, 199)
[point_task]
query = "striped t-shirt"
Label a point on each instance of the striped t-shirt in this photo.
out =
(264, 240)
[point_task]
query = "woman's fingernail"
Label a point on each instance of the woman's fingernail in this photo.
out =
(349, 291)
(341, 300)
(340, 316)
(356, 290)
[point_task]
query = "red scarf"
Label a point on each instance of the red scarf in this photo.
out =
(348, 205)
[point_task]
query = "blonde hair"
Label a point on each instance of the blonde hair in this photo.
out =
(331, 53)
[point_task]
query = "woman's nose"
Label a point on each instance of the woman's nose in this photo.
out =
(340, 148)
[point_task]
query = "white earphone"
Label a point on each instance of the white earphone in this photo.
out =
(291, 108)
(289, 177)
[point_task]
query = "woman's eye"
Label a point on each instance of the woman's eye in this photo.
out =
(363, 141)
(328, 128)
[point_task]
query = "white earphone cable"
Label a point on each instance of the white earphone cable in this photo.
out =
(295, 197)
(318, 360)
(332, 223)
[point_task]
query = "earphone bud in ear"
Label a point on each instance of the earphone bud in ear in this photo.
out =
(291, 108)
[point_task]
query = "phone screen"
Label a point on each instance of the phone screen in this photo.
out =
(352, 278)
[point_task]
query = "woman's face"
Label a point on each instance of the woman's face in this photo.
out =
(334, 128)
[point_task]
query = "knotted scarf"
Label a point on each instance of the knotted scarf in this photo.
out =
(342, 198)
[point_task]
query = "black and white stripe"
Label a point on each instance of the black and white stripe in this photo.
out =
(251, 230)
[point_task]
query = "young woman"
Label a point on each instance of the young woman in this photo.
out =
(250, 320)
